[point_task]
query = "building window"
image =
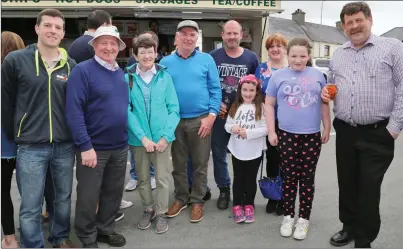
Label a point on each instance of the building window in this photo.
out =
(327, 50)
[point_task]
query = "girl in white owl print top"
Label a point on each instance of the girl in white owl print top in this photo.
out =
(247, 125)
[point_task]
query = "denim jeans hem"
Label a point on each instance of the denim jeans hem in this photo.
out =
(58, 241)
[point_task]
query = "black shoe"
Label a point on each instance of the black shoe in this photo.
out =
(280, 208)
(341, 238)
(114, 239)
(223, 199)
(119, 216)
(207, 196)
(271, 206)
(91, 245)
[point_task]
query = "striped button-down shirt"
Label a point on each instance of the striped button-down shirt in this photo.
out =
(106, 65)
(369, 82)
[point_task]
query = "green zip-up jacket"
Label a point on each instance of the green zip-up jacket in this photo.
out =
(33, 97)
(163, 111)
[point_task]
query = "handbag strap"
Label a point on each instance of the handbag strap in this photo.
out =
(261, 166)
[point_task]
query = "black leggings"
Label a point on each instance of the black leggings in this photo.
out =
(273, 159)
(300, 154)
(244, 185)
(7, 209)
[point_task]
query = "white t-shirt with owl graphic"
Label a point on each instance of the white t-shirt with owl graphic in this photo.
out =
(256, 132)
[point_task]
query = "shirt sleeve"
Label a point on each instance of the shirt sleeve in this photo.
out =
(255, 63)
(172, 103)
(257, 71)
(213, 84)
(76, 101)
(322, 79)
(396, 118)
(228, 124)
(260, 130)
(272, 86)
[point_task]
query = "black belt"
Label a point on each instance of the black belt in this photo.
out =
(381, 123)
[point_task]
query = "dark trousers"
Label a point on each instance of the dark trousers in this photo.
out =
(189, 142)
(300, 154)
(219, 145)
(363, 155)
(103, 184)
(273, 159)
(244, 186)
(7, 209)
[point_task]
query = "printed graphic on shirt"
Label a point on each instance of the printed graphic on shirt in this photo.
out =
(245, 120)
(229, 79)
(302, 92)
(62, 77)
(265, 73)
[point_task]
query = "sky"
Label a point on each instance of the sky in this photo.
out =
(386, 14)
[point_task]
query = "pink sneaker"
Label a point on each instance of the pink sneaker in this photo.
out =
(239, 215)
(250, 214)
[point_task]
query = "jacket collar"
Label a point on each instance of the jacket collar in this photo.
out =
(132, 69)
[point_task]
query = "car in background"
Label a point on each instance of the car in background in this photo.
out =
(322, 64)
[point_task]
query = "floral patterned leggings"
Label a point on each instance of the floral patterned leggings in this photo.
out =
(299, 156)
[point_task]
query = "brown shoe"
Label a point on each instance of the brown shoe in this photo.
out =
(176, 209)
(197, 213)
(65, 244)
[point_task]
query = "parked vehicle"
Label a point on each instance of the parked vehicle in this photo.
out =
(322, 64)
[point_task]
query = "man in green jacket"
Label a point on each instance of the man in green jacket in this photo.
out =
(33, 83)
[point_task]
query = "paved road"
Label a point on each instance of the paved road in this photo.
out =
(217, 230)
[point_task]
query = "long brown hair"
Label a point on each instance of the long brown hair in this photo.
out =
(9, 42)
(258, 100)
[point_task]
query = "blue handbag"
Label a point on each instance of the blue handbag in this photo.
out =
(271, 187)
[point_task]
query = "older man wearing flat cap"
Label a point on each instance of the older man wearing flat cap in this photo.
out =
(97, 99)
(197, 85)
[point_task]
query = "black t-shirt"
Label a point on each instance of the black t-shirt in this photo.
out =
(231, 70)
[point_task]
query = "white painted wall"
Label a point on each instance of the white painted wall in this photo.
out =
(318, 45)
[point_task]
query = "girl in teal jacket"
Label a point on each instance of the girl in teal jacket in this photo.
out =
(153, 117)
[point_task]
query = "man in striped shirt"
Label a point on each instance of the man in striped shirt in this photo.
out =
(368, 118)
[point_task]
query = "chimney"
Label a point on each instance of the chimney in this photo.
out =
(338, 25)
(299, 16)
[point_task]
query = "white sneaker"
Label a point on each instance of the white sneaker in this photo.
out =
(131, 185)
(153, 183)
(125, 204)
(301, 229)
(286, 226)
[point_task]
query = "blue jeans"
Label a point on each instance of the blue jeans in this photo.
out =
(219, 143)
(133, 167)
(33, 162)
(48, 193)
